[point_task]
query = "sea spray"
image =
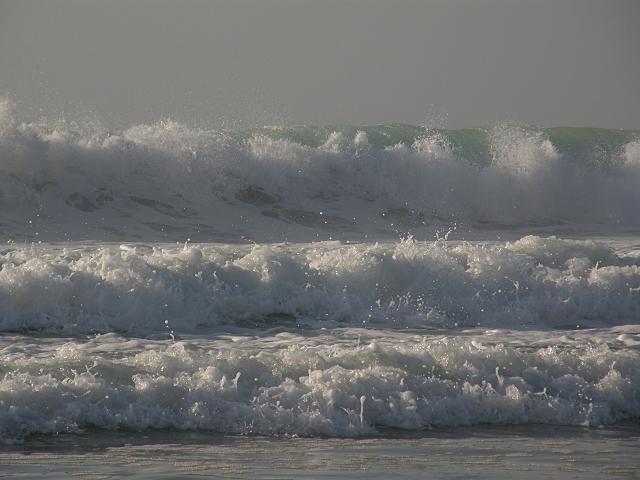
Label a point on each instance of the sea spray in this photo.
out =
(168, 181)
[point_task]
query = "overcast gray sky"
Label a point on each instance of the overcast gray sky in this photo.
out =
(452, 63)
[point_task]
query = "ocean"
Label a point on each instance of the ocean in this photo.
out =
(386, 290)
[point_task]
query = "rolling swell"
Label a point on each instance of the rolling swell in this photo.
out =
(170, 182)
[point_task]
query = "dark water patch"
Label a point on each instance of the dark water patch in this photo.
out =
(255, 195)
(79, 201)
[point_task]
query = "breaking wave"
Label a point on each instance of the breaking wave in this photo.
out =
(301, 297)
(61, 181)
(139, 289)
(347, 384)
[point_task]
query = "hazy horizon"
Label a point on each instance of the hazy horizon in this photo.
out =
(439, 63)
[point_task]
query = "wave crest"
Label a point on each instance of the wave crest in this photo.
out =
(169, 181)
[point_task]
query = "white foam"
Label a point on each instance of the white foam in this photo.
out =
(534, 282)
(345, 383)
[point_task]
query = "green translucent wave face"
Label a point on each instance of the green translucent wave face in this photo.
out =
(475, 145)
(377, 135)
(598, 144)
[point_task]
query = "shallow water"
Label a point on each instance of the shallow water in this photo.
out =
(526, 452)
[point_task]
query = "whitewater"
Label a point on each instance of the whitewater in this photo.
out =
(332, 281)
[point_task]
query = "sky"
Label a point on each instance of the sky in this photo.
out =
(448, 63)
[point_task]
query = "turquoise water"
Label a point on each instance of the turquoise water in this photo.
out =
(597, 145)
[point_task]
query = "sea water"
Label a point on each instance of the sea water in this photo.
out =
(310, 283)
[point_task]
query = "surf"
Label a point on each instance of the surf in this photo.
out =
(167, 181)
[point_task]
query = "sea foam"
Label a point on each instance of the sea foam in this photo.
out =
(136, 288)
(344, 383)
(285, 281)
